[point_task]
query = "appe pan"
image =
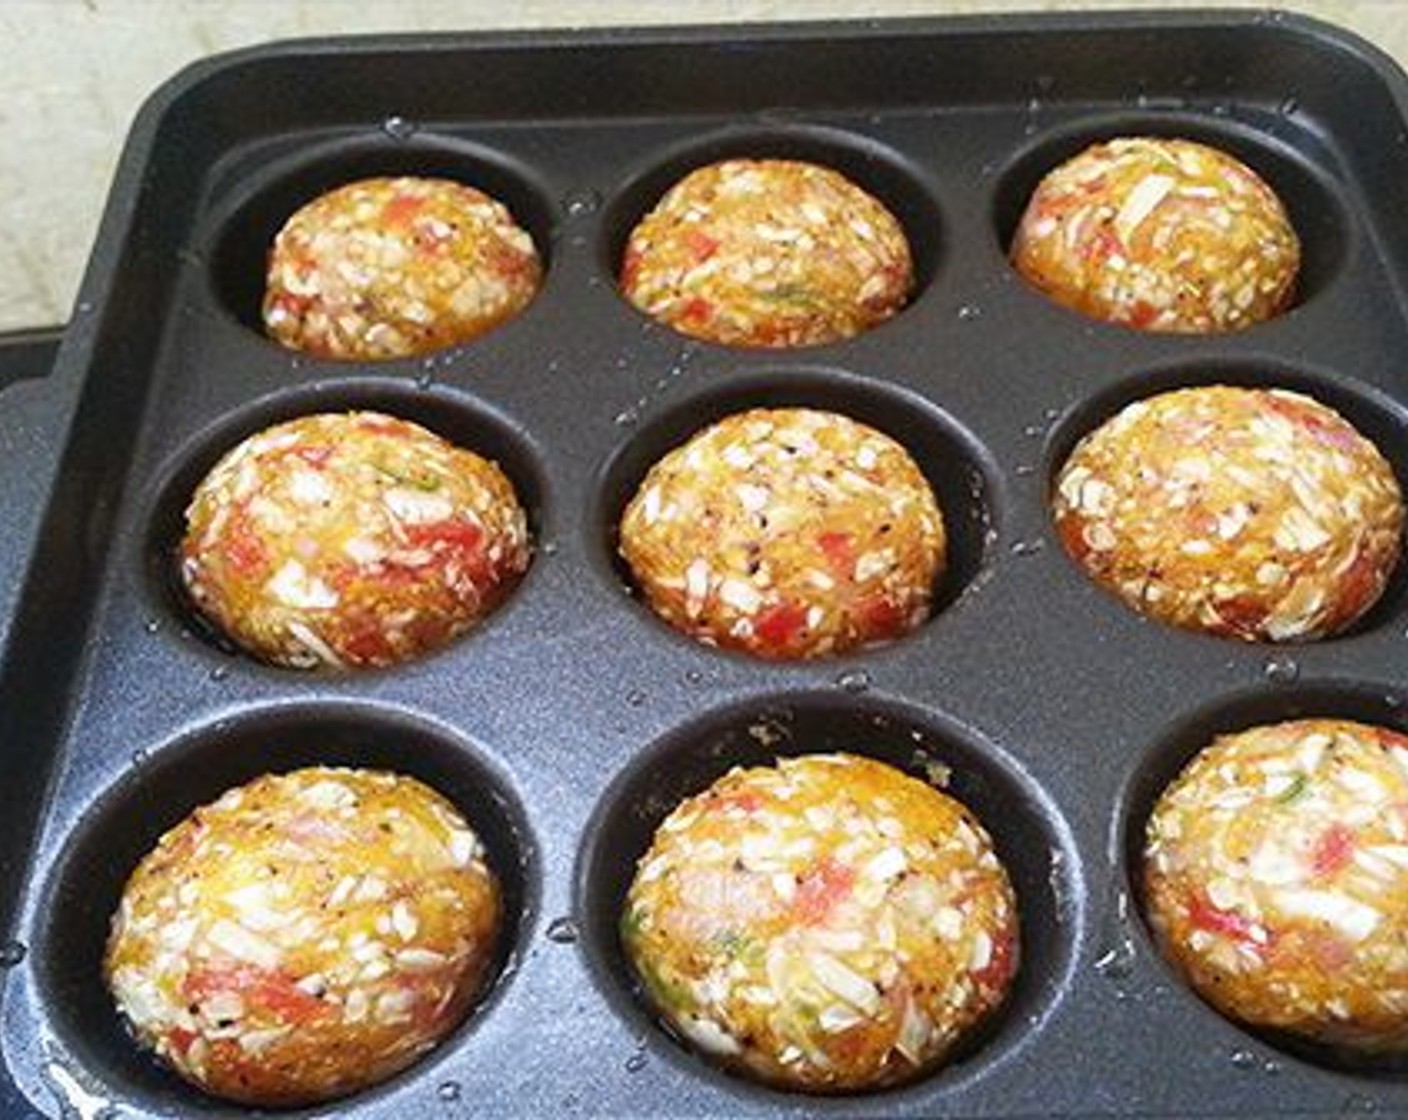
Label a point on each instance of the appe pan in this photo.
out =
(570, 722)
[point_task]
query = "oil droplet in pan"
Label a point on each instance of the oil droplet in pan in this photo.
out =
(11, 953)
(580, 202)
(563, 931)
(853, 681)
(1116, 959)
(1116, 962)
(1281, 669)
(398, 128)
(449, 1091)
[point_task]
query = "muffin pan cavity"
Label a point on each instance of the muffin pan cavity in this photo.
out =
(1378, 417)
(958, 468)
(195, 769)
(1312, 199)
(1165, 758)
(1028, 837)
(461, 421)
(889, 176)
(242, 240)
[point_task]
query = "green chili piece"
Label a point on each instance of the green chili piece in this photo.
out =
(1294, 790)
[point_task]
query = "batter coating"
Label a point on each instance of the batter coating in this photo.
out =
(787, 533)
(826, 924)
(305, 936)
(1160, 234)
(1276, 876)
(389, 268)
(1258, 514)
(768, 252)
(350, 540)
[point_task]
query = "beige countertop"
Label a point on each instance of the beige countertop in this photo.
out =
(75, 72)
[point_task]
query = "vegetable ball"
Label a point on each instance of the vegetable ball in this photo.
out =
(1258, 514)
(389, 268)
(305, 936)
(768, 253)
(787, 533)
(826, 924)
(1160, 234)
(1276, 879)
(350, 540)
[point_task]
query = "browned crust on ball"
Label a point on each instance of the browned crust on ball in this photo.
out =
(1258, 514)
(350, 540)
(786, 533)
(1276, 878)
(304, 936)
(775, 253)
(391, 268)
(1159, 234)
(826, 924)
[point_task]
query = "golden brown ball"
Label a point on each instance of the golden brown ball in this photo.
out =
(768, 252)
(786, 533)
(1159, 234)
(1276, 879)
(350, 540)
(826, 924)
(305, 936)
(390, 268)
(1258, 514)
